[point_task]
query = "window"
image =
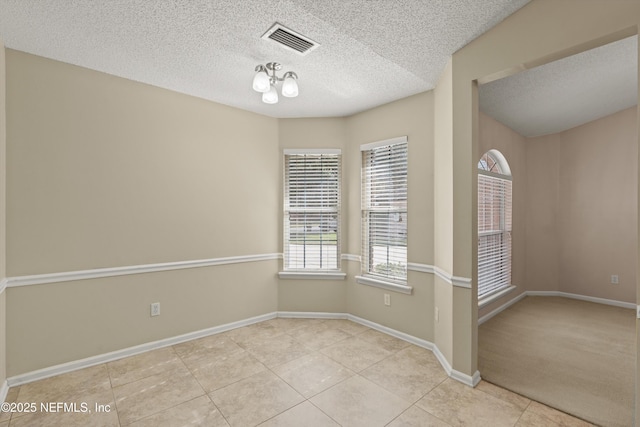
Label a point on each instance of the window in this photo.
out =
(312, 210)
(494, 224)
(384, 209)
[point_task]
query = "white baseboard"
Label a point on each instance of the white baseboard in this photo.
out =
(4, 389)
(509, 303)
(469, 380)
(401, 335)
(311, 315)
(131, 351)
(64, 368)
(583, 298)
(500, 309)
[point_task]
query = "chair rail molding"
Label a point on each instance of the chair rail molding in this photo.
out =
(68, 276)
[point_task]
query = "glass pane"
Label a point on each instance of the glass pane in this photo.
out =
(313, 240)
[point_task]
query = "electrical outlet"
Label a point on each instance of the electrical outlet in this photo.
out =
(437, 314)
(614, 279)
(155, 309)
(387, 299)
(638, 312)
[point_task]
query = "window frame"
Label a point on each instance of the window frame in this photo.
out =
(306, 271)
(494, 172)
(389, 281)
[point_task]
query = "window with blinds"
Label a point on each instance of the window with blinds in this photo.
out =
(312, 209)
(494, 225)
(384, 209)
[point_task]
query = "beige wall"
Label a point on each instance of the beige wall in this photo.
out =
(3, 164)
(144, 173)
(575, 207)
(582, 223)
(3, 337)
(599, 207)
(3, 210)
(106, 172)
(443, 210)
(108, 161)
(413, 117)
(62, 322)
(543, 195)
(314, 295)
(637, 413)
(139, 170)
(495, 135)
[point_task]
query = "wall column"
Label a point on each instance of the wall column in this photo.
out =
(3, 228)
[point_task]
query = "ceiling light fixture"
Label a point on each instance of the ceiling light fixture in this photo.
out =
(265, 81)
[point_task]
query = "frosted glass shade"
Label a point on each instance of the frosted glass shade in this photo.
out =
(290, 87)
(261, 82)
(270, 97)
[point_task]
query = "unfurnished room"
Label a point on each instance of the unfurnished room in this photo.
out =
(319, 213)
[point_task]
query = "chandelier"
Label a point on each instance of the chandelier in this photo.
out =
(265, 81)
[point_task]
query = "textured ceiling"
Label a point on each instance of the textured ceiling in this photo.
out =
(566, 93)
(372, 51)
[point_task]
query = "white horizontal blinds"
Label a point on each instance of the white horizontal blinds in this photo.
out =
(384, 210)
(312, 211)
(494, 234)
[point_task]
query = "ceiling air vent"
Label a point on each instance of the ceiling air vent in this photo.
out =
(290, 39)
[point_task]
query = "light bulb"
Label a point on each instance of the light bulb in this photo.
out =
(270, 97)
(290, 87)
(261, 82)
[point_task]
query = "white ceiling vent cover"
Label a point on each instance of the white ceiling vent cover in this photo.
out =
(290, 39)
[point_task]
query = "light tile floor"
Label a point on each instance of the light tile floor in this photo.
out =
(282, 372)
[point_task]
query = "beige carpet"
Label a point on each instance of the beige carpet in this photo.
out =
(576, 356)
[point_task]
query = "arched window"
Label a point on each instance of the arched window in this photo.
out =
(494, 224)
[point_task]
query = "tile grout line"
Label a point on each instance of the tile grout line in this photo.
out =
(522, 414)
(356, 373)
(318, 351)
(113, 394)
(151, 375)
(308, 399)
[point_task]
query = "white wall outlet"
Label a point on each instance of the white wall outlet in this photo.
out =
(155, 309)
(614, 279)
(638, 312)
(437, 314)
(387, 299)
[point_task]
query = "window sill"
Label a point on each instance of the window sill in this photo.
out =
(312, 275)
(390, 286)
(493, 297)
